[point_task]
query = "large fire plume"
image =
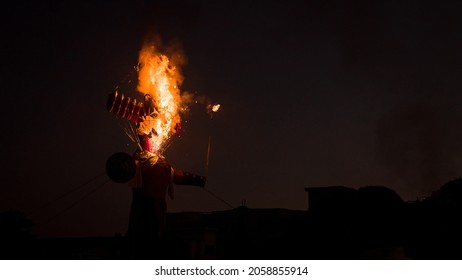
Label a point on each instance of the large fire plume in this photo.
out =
(158, 104)
(159, 80)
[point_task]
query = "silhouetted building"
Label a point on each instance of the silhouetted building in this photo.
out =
(329, 199)
(81, 248)
(329, 222)
(377, 225)
(434, 230)
(192, 229)
(371, 222)
(16, 238)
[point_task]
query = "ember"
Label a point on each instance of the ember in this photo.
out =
(215, 107)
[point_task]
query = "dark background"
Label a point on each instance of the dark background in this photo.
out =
(313, 93)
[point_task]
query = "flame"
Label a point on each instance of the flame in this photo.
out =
(215, 108)
(160, 79)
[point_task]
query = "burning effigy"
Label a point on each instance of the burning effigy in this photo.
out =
(154, 116)
(157, 117)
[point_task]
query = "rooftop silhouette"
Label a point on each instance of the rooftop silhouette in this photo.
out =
(370, 222)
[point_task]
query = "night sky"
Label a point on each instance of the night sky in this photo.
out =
(313, 93)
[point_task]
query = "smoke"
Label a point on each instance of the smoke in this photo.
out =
(419, 145)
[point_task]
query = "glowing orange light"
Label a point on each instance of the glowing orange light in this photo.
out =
(159, 80)
(215, 108)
